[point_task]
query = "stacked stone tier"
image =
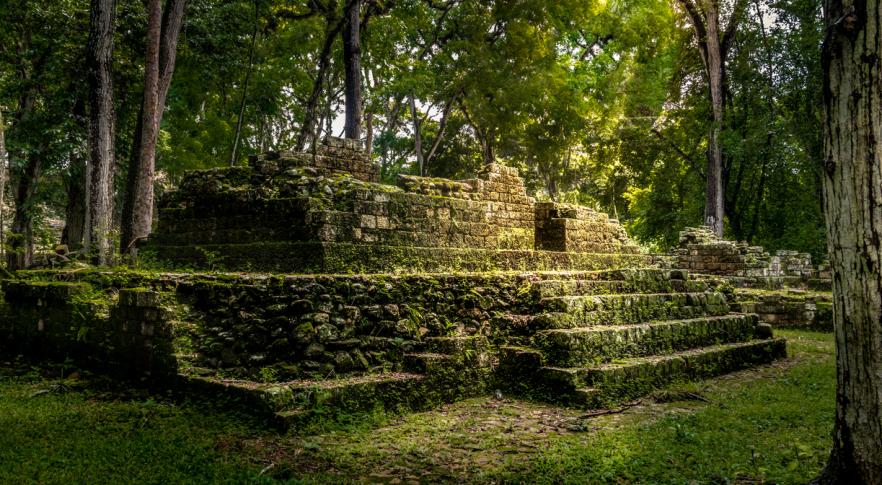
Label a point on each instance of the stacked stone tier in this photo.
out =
(305, 213)
(292, 346)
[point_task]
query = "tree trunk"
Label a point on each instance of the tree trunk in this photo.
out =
(99, 62)
(162, 39)
(21, 239)
(142, 173)
(713, 208)
(352, 67)
(713, 45)
(417, 136)
(172, 21)
(4, 171)
(853, 207)
(74, 232)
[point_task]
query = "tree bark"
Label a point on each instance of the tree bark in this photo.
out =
(21, 239)
(74, 233)
(852, 186)
(4, 171)
(142, 172)
(352, 68)
(417, 136)
(162, 38)
(99, 62)
(713, 207)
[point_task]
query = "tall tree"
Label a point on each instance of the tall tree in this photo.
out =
(714, 44)
(163, 30)
(234, 153)
(334, 23)
(99, 62)
(4, 162)
(852, 95)
(21, 238)
(352, 68)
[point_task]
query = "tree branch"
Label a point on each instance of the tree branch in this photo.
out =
(697, 21)
(685, 156)
(442, 127)
(734, 20)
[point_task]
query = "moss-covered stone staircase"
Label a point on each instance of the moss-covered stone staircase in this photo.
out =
(588, 339)
(604, 337)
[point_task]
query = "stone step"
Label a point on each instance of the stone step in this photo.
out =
(622, 309)
(631, 378)
(627, 274)
(428, 362)
(304, 397)
(455, 345)
(575, 287)
(593, 345)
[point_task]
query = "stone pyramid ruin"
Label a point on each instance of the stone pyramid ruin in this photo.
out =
(313, 289)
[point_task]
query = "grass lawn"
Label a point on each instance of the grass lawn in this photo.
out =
(770, 424)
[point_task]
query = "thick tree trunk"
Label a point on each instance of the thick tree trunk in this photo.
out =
(713, 45)
(99, 62)
(74, 232)
(162, 38)
(352, 67)
(142, 173)
(21, 239)
(713, 208)
(853, 206)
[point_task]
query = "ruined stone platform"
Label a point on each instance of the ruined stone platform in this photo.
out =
(785, 289)
(281, 214)
(311, 290)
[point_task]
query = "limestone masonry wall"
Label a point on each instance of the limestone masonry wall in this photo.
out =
(286, 327)
(294, 204)
(570, 228)
(127, 331)
(787, 308)
(328, 197)
(335, 156)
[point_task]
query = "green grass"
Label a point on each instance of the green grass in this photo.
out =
(772, 424)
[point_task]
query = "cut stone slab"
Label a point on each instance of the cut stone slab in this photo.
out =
(586, 311)
(586, 346)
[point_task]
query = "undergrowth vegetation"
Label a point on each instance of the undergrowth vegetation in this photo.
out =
(770, 424)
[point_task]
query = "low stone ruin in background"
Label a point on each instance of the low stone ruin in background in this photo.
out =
(784, 290)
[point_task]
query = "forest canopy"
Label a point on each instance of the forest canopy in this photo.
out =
(604, 103)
